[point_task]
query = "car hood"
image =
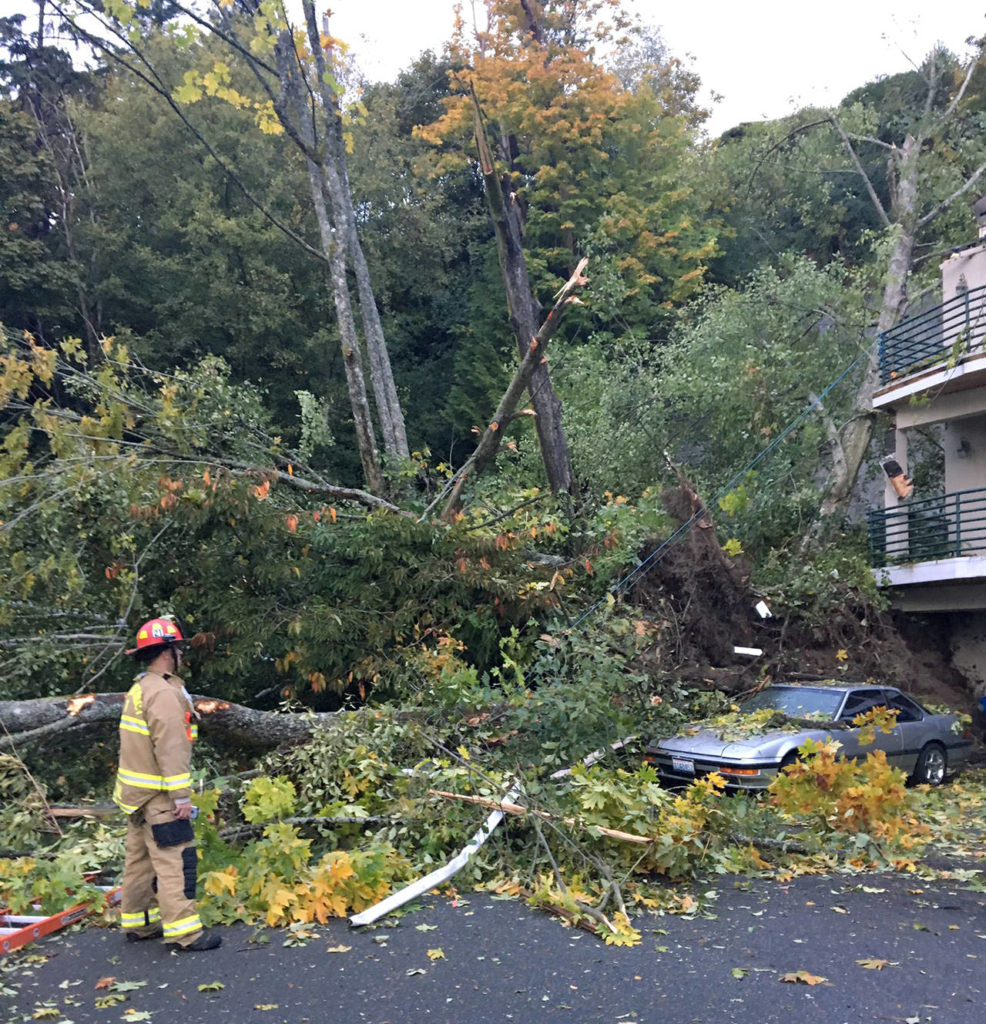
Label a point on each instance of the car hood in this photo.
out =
(706, 743)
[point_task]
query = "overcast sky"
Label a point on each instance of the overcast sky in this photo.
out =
(764, 57)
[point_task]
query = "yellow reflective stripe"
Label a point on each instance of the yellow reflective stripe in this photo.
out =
(138, 728)
(193, 732)
(127, 808)
(185, 926)
(140, 781)
(141, 919)
(137, 724)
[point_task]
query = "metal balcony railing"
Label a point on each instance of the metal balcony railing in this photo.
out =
(942, 335)
(922, 531)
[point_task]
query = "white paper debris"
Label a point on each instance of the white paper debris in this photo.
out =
(439, 875)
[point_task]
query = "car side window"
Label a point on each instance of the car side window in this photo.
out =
(907, 710)
(862, 700)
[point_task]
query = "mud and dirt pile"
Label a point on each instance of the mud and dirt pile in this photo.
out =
(702, 600)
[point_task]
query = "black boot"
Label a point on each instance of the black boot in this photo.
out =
(207, 940)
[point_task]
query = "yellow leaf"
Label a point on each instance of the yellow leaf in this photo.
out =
(872, 963)
(803, 978)
(219, 881)
(436, 954)
(842, 654)
(278, 903)
(338, 949)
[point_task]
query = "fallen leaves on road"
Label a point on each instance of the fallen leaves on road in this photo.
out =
(436, 954)
(872, 963)
(802, 978)
(338, 949)
(110, 999)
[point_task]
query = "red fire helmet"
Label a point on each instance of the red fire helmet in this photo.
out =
(157, 633)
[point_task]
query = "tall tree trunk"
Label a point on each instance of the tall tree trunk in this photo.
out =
(525, 315)
(336, 178)
(855, 436)
(853, 440)
(293, 90)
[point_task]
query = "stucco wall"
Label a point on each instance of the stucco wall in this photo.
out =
(964, 442)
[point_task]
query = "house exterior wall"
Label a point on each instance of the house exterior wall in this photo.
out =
(963, 272)
(951, 394)
(964, 441)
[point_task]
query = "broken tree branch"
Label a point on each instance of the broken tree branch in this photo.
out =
(516, 809)
(861, 171)
(492, 436)
(242, 831)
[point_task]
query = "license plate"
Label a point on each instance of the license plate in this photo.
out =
(683, 764)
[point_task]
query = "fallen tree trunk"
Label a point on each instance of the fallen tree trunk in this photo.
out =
(32, 720)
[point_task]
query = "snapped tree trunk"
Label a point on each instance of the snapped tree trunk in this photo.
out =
(489, 442)
(525, 315)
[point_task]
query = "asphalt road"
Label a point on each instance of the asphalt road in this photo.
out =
(504, 962)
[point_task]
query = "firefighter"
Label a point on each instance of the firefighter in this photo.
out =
(153, 787)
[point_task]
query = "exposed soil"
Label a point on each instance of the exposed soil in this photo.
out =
(702, 602)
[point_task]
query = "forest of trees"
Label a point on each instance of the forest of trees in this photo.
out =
(330, 369)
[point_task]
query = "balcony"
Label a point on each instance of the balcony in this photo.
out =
(946, 334)
(949, 526)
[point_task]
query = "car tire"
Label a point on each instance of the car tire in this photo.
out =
(931, 767)
(791, 757)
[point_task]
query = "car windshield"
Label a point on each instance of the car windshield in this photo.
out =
(797, 701)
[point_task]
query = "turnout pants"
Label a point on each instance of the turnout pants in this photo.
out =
(160, 874)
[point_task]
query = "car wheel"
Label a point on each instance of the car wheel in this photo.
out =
(791, 757)
(931, 767)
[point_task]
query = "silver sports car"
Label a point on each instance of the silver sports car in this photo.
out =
(925, 746)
